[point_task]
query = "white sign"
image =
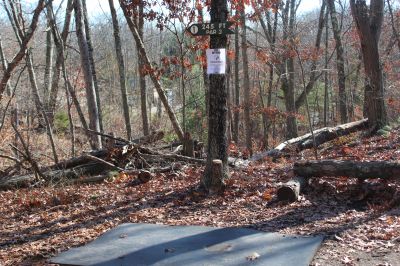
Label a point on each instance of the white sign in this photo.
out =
(216, 61)
(194, 29)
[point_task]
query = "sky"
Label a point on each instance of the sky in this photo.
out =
(96, 7)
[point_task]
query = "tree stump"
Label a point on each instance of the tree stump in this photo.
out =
(188, 145)
(217, 177)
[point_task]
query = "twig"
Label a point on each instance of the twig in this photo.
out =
(27, 155)
(103, 161)
(10, 158)
(108, 136)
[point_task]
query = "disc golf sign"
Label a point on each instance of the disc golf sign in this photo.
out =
(216, 28)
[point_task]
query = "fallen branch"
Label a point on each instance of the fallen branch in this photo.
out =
(362, 170)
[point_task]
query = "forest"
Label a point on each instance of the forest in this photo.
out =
(110, 112)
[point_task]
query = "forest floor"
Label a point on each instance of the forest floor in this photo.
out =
(359, 228)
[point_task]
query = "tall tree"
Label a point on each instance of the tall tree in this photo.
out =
(339, 62)
(49, 61)
(94, 123)
(139, 17)
(369, 22)
(121, 68)
(52, 98)
(92, 63)
(217, 140)
(287, 68)
(236, 113)
(246, 82)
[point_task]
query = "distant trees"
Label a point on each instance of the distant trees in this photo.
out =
(276, 61)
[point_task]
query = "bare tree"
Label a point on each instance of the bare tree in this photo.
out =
(60, 42)
(369, 22)
(246, 83)
(154, 78)
(121, 69)
(93, 111)
(339, 62)
(92, 63)
(24, 45)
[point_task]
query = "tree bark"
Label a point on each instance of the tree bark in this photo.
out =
(356, 169)
(49, 64)
(369, 22)
(246, 83)
(339, 62)
(289, 79)
(92, 63)
(141, 67)
(57, 70)
(4, 64)
(217, 140)
(59, 40)
(236, 113)
(23, 46)
(290, 190)
(121, 69)
(306, 141)
(93, 111)
(154, 78)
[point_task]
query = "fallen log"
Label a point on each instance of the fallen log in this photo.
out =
(290, 191)
(362, 170)
(321, 136)
(94, 168)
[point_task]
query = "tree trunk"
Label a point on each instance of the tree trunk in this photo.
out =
(4, 64)
(23, 46)
(93, 111)
(121, 69)
(306, 141)
(92, 64)
(59, 40)
(369, 23)
(290, 190)
(356, 169)
(236, 113)
(141, 67)
(49, 64)
(246, 84)
(288, 81)
(154, 78)
(217, 141)
(326, 79)
(52, 98)
(339, 62)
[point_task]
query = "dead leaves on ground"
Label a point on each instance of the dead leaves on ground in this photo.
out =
(37, 223)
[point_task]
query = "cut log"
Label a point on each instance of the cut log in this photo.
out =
(362, 170)
(290, 191)
(217, 174)
(145, 176)
(306, 141)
